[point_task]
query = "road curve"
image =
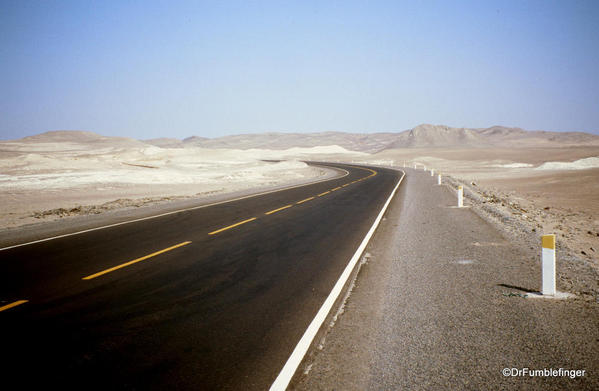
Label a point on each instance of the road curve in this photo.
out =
(210, 298)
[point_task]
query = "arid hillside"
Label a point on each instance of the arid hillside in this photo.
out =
(422, 136)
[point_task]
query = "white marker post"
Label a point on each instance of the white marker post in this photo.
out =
(439, 179)
(432, 172)
(460, 196)
(548, 265)
(415, 165)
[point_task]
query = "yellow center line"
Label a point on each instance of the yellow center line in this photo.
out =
(133, 261)
(335, 189)
(231, 226)
(276, 210)
(13, 304)
(325, 193)
(306, 200)
(347, 184)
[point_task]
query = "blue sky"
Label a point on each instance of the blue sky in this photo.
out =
(148, 69)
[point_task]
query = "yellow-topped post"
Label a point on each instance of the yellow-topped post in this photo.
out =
(460, 196)
(548, 265)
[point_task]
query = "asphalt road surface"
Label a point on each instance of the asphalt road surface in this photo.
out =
(210, 298)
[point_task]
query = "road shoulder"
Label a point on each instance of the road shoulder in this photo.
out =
(439, 305)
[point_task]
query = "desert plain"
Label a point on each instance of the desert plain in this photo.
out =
(544, 182)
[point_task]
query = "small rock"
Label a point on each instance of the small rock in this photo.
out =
(592, 249)
(583, 253)
(546, 208)
(589, 232)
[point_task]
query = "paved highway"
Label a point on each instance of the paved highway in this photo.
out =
(209, 298)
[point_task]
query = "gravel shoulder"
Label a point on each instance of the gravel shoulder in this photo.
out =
(443, 302)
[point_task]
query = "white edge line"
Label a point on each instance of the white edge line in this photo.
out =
(177, 211)
(293, 362)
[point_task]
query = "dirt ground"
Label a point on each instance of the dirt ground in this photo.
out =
(563, 202)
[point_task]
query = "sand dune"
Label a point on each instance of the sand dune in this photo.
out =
(581, 164)
(422, 136)
(64, 170)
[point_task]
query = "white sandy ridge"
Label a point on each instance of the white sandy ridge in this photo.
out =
(75, 165)
(581, 164)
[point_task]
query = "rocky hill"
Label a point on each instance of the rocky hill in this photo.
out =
(74, 139)
(273, 140)
(422, 136)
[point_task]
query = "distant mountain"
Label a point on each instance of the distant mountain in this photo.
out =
(79, 137)
(501, 132)
(422, 136)
(194, 140)
(65, 136)
(438, 136)
(277, 141)
(165, 142)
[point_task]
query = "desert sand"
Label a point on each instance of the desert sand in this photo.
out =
(556, 189)
(61, 174)
(527, 192)
(543, 182)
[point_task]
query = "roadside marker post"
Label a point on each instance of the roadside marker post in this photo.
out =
(432, 172)
(439, 179)
(548, 265)
(460, 196)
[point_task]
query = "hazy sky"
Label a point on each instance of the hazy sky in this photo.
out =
(149, 69)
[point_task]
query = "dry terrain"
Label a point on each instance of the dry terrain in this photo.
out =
(528, 192)
(60, 174)
(422, 136)
(547, 181)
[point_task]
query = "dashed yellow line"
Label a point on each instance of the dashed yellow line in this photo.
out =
(279, 209)
(231, 226)
(122, 265)
(372, 171)
(306, 200)
(92, 276)
(13, 304)
(297, 203)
